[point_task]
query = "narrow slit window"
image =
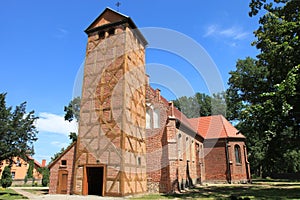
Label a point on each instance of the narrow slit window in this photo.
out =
(237, 152)
(179, 143)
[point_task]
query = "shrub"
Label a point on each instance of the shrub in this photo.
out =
(6, 179)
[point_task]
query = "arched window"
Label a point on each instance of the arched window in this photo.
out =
(237, 152)
(148, 119)
(156, 113)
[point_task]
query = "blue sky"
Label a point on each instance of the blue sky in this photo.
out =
(43, 46)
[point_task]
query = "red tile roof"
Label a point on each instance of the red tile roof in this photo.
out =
(216, 126)
(183, 119)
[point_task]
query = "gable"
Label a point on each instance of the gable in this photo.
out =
(109, 16)
(70, 147)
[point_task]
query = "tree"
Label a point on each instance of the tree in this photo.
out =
(6, 178)
(72, 111)
(202, 105)
(265, 91)
(17, 131)
(30, 169)
(46, 174)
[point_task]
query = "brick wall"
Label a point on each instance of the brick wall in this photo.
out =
(215, 161)
(58, 166)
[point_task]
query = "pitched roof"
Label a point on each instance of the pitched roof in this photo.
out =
(109, 18)
(51, 164)
(184, 120)
(35, 162)
(216, 126)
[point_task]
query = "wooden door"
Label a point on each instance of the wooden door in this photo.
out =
(62, 187)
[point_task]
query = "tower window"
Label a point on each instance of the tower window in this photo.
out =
(111, 31)
(101, 35)
(139, 161)
(237, 152)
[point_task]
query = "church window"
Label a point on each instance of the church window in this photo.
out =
(193, 148)
(237, 152)
(148, 119)
(188, 149)
(179, 144)
(156, 123)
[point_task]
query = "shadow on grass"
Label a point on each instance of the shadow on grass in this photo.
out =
(9, 194)
(236, 192)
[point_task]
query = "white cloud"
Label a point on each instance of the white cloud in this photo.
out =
(61, 33)
(49, 122)
(59, 144)
(210, 30)
(235, 33)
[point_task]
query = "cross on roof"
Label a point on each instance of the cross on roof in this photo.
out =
(118, 4)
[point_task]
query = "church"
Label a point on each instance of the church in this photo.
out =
(131, 140)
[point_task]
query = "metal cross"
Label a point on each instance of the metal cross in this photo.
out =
(118, 4)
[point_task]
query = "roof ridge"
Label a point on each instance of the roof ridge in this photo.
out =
(223, 124)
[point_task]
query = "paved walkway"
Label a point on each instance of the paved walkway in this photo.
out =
(32, 196)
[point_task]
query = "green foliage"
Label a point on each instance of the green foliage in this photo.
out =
(56, 155)
(202, 105)
(30, 169)
(6, 179)
(25, 179)
(72, 110)
(265, 91)
(46, 174)
(73, 137)
(18, 131)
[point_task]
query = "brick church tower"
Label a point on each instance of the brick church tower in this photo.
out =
(110, 158)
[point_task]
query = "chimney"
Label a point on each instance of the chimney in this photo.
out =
(171, 104)
(157, 92)
(43, 163)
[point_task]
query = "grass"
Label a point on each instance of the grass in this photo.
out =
(9, 194)
(258, 190)
(37, 191)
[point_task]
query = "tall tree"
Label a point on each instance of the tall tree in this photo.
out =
(6, 178)
(265, 90)
(72, 111)
(202, 104)
(17, 131)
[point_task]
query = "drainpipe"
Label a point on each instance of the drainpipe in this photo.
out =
(227, 162)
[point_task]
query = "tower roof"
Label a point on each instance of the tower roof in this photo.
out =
(110, 18)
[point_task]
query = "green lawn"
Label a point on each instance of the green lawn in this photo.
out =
(9, 194)
(258, 190)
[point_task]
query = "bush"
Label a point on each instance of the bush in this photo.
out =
(6, 179)
(46, 174)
